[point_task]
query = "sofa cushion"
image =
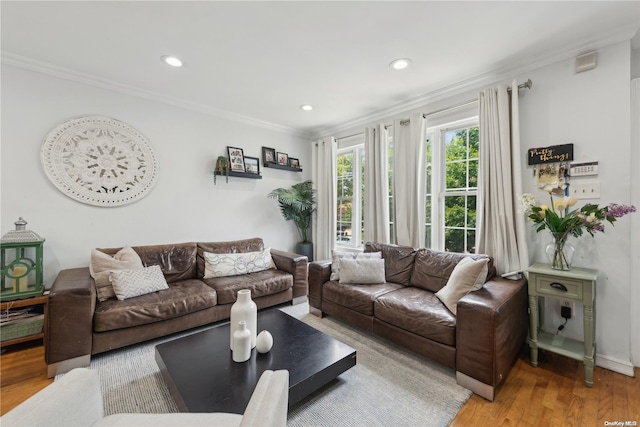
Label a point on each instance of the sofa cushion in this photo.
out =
(433, 268)
(261, 283)
(463, 280)
(184, 297)
(232, 247)
(417, 311)
(398, 261)
(132, 283)
(220, 265)
(338, 256)
(357, 297)
(364, 271)
(102, 263)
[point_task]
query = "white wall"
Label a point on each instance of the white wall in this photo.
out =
(183, 206)
(592, 111)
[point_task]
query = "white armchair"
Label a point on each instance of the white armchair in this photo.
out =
(76, 401)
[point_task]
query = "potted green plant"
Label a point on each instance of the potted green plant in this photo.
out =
(222, 168)
(298, 204)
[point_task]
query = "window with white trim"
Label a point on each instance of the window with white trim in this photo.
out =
(350, 196)
(452, 186)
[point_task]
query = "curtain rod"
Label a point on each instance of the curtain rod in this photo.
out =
(526, 85)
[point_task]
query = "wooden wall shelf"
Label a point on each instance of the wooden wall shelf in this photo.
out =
(239, 175)
(274, 165)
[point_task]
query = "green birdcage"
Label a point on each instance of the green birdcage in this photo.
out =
(21, 262)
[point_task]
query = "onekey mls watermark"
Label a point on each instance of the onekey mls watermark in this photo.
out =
(621, 423)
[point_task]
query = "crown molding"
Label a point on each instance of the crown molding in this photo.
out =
(112, 85)
(499, 74)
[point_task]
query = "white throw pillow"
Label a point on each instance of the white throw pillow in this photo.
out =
(482, 277)
(140, 281)
(369, 271)
(338, 256)
(220, 265)
(102, 264)
(462, 280)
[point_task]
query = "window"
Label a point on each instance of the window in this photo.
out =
(452, 180)
(350, 196)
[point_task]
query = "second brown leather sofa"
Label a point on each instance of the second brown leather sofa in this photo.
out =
(480, 343)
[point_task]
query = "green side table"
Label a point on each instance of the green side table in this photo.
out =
(577, 284)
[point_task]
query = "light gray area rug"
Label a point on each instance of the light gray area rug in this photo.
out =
(388, 386)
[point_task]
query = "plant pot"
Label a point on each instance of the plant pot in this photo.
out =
(305, 248)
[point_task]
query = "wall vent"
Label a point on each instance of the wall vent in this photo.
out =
(586, 62)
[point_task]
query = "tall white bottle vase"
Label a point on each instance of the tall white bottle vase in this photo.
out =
(244, 309)
(241, 351)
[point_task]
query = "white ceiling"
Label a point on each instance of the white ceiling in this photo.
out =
(259, 61)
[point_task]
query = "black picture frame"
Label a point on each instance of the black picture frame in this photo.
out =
(268, 155)
(294, 163)
(252, 165)
(236, 159)
(283, 159)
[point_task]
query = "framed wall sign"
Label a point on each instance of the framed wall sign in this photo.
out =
(236, 159)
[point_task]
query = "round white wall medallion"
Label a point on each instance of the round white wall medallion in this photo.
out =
(99, 161)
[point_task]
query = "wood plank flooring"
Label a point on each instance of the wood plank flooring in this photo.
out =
(551, 395)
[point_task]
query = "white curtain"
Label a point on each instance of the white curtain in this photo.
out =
(501, 229)
(409, 176)
(376, 189)
(324, 182)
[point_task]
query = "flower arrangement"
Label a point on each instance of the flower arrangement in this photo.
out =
(562, 222)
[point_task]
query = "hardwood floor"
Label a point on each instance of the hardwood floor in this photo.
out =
(22, 373)
(553, 394)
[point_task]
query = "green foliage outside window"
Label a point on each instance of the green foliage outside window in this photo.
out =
(462, 152)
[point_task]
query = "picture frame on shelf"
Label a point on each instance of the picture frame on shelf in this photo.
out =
(268, 155)
(283, 159)
(252, 165)
(236, 159)
(294, 163)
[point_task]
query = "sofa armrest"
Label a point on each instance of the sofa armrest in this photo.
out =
(319, 274)
(490, 331)
(297, 265)
(74, 400)
(72, 302)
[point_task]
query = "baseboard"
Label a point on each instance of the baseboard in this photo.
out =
(623, 367)
(67, 365)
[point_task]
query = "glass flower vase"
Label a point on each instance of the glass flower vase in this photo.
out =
(560, 252)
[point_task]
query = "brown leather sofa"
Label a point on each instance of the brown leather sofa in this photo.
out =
(481, 343)
(78, 325)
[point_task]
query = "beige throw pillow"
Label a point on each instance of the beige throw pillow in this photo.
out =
(369, 271)
(140, 281)
(462, 280)
(338, 256)
(102, 264)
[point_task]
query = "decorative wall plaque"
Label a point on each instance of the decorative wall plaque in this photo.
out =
(99, 161)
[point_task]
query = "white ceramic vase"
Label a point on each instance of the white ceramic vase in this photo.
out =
(244, 309)
(241, 343)
(264, 342)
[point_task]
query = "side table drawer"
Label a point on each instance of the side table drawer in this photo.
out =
(554, 287)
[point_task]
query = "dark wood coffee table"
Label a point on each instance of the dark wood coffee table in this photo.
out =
(202, 377)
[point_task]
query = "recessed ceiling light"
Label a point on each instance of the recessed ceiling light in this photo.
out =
(400, 64)
(306, 107)
(172, 60)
